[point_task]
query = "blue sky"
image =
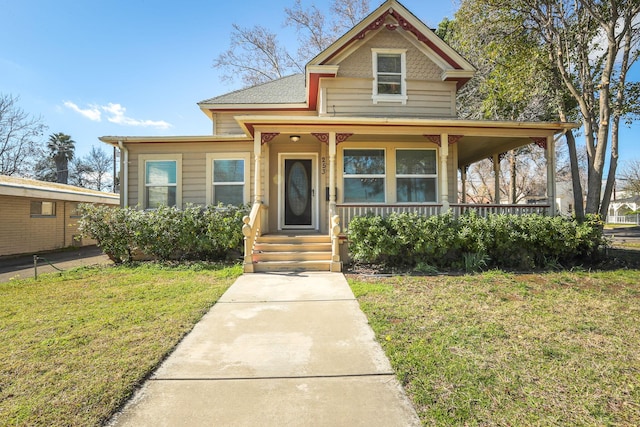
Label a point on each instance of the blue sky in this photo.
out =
(139, 67)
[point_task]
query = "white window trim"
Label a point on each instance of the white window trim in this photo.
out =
(142, 184)
(402, 97)
(435, 175)
(228, 156)
(365, 176)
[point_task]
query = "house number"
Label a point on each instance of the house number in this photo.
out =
(324, 165)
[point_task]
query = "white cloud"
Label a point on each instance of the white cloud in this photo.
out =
(118, 116)
(92, 113)
(115, 113)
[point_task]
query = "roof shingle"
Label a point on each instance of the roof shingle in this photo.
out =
(286, 90)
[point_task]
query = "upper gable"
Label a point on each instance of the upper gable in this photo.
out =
(393, 23)
(359, 63)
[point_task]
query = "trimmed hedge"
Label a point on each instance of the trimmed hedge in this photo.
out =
(167, 233)
(471, 242)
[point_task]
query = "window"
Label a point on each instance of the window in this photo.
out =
(416, 176)
(228, 178)
(43, 209)
(364, 172)
(160, 180)
(389, 73)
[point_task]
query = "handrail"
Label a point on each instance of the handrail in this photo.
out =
(251, 231)
(336, 265)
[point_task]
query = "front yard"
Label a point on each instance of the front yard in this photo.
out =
(486, 349)
(510, 349)
(75, 346)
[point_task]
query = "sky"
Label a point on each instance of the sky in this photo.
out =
(138, 67)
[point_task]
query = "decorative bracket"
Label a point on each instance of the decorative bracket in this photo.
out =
(501, 157)
(268, 137)
(340, 137)
(433, 138)
(540, 141)
(452, 139)
(322, 137)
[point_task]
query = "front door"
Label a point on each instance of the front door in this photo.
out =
(298, 193)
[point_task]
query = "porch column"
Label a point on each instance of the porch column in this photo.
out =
(257, 152)
(332, 175)
(444, 174)
(463, 177)
(496, 181)
(550, 154)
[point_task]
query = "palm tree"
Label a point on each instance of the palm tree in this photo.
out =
(61, 148)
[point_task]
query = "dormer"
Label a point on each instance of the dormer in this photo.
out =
(390, 60)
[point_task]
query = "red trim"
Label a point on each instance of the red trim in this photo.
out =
(407, 26)
(314, 85)
(460, 81)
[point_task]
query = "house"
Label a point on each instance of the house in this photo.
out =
(370, 127)
(625, 210)
(37, 216)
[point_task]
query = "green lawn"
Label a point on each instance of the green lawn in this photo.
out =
(74, 346)
(507, 349)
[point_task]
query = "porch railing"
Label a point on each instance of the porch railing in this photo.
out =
(624, 219)
(484, 210)
(252, 229)
(347, 212)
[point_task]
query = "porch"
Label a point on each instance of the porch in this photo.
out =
(339, 158)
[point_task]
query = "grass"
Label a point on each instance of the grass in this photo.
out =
(506, 349)
(76, 345)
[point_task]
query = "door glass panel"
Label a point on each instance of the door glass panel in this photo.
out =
(298, 191)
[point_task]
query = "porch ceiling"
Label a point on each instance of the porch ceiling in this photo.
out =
(472, 149)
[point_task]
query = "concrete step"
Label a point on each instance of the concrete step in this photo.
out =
(292, 266)
(295, 238)
(292, 252)
(291, 256)
(292, 247)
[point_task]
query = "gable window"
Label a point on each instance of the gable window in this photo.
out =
(160, 176)
(416, 176)
(389, 72)
(228, 178)
(39, 209)
(364, 176)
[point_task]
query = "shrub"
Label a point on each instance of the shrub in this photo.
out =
(167, 233)
(471, 242)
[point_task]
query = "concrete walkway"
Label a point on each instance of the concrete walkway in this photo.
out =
(276, 350)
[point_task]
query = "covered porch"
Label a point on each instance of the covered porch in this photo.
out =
(327, 141)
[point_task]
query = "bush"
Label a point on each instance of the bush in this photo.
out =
(167, 233)
(471, 242)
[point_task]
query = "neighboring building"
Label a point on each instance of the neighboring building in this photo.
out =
(38, 216)
(624, 211)
(370, 127)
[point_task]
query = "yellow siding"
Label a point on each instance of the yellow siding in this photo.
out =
(194, 166)
(352, 97)
(22, 234)
(225, 122)
(360, 63)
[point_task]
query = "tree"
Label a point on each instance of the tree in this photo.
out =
(589, 48)
(44, 169)
(20, 135)
(630, 177)
(95, 167)
(256, 56)
(61, 149)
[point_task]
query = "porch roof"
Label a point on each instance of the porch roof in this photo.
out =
(477, 139)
